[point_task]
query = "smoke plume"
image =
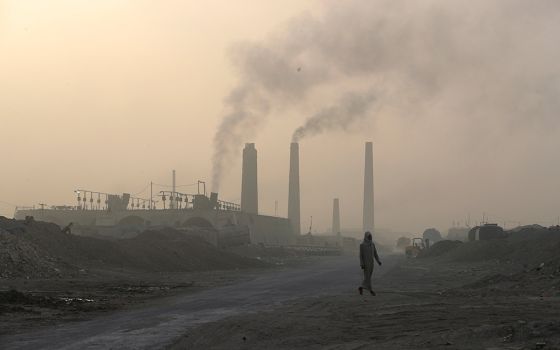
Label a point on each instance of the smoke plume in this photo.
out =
(491, 63)
(246, 111)
(351, 109)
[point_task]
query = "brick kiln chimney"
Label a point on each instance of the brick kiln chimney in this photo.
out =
(368, 222)
(293, 194)
(249, 189)
(335, 217)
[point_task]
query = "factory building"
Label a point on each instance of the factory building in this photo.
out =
(121, 216)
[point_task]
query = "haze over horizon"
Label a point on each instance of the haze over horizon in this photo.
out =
(110, 95)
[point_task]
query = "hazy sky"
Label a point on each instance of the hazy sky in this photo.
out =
(108, 95)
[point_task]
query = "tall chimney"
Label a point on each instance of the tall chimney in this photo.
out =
(249, 189)
(293, 194)
(368, 224)
(335, 217)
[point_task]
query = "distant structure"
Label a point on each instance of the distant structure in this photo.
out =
(432, 234)
(219, 222)
(486, 232)
(124, 216)
(368, 219)
(336, 217)
(293, 191)
(458, 233)
(249, 187)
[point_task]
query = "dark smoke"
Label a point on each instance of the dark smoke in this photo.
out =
(246, 111)
(491, 63)
(351, 109)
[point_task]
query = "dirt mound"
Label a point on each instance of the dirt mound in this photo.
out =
(39, 249)
(528, 246)
(526, 262)
(20, 257)
(171, 250)
(542, 280)
(439, 248)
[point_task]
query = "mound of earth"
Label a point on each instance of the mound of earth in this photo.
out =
(439, 248)
(526, 247)
(39, 249)
(526, 262)
(22, 258)
(171, 250)
(542, 280)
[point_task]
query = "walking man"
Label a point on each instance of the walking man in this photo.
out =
(367, 253)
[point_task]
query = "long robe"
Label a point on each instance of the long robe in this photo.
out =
(367, 253)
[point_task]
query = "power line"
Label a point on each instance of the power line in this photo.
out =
(189, 185)
(169, 186)
(143, 190)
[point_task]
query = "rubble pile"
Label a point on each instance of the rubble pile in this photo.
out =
(21, 258)
(35, 249)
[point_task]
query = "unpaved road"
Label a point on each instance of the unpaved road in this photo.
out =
(160, 324)
(421, 304)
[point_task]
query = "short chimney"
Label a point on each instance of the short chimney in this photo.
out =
(335, 217)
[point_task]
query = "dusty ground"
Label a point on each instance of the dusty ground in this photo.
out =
(420, 304)
(479, 295)
(39, 303)
(160, 321)
(49, 277)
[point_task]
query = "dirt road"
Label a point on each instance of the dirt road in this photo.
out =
(420, 304)
(161, 323)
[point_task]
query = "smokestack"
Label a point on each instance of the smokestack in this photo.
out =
(249, 189)
(368, 189)
(293, 194)
(335, 217)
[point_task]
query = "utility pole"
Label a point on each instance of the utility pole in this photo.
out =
(42, 209)
(172, 204)
(204, 186)
(151, 194)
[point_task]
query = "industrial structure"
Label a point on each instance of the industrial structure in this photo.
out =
(98, 213)
(293, 190)
(249, 187)
(336, 217)
(368, 219)
(117, 216)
